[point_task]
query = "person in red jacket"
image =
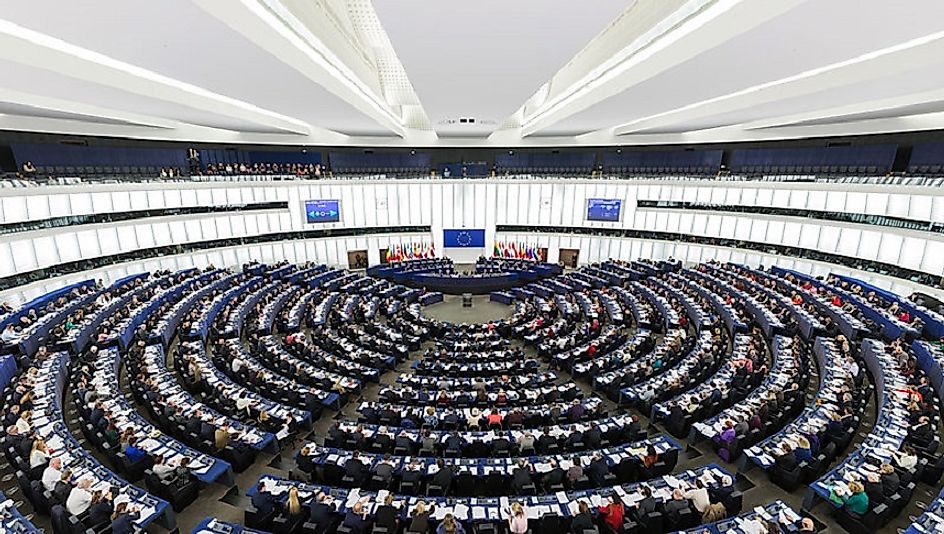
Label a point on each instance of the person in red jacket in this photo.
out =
(612, 513)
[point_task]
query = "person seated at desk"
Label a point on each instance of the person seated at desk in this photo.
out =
(890, 479)
(676, 505)
(583, 520)
(122, 520)
(651, 457)
(598, 469)
(38, 455)
(786, 460)
(803, 450)
(52, 474)
(262, 500)
(500, 444)
(526, 442)
(356, 519)
(873, 488)
(293, 509)
(134, 453)
(922, 433)
(494, 419)
(384, 469)
(517, 519)
(906, 459)
(100, 509)
(612, 513)
(321, 513)
(648, 504)
(443, 476)
(80, 498)
(354, 468)
(854, 500)
(449, 525)
(304, 462)
(699, 496)
(387, 515)
(454, 442)
(419, 517)
(521, 476)
(554, 476)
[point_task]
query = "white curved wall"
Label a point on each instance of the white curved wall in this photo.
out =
(471, 204)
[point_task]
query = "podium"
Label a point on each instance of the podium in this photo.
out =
(467, 300)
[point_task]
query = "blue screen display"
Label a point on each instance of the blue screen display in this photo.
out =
(603, 209)
(462, 238)
(322, 211)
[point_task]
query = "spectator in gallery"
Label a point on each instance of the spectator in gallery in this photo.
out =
(29, 169)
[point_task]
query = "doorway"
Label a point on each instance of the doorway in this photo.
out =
(569, 257)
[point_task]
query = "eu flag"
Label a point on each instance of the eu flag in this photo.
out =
(464, 238)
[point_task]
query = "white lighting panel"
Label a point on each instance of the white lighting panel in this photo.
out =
(155, 199)
(728, 226)
(781, 198)
(890, 248)
(58, 206)
(849, 241)
(120, 201)
(829, 238)
(933, 253)
(774, 232)
(899, 205)
(765, 197)
(856, 202)
(46, 252)
(144, 235)
(35, 208)
(162, 235)
(743, 229)
(24, 255)
(912, 252)
(798, 198)
(102, 202)
(869, 245)
(836, 201)
(223, 228)
(748, 197)
(816, 200)
(876, 204)
(809, 236)
(80, 204)
(791, 233)
(920, 207)
(7, 263)
(759, 230)
(139, 200)
(712, 226)
(719, 195)
(178, 231)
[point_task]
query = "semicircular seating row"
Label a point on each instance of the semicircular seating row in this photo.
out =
(229, 364)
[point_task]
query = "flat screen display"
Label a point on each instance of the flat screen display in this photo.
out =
(604, 209)
(322, 211)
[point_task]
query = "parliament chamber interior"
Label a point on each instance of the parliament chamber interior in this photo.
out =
(443, 267)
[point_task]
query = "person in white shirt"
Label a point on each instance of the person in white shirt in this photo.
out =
(9, 334)
(22, 424)
(163, 470)
(52, 474)
(237, 365)
(699, 496)
(38, 455)
(80, 498)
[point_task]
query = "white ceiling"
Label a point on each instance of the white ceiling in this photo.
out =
(484, 58)
(531, 72)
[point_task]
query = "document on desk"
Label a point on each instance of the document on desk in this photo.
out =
(561, 497)
(461, 512)
(478, 512)
(440, 512)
